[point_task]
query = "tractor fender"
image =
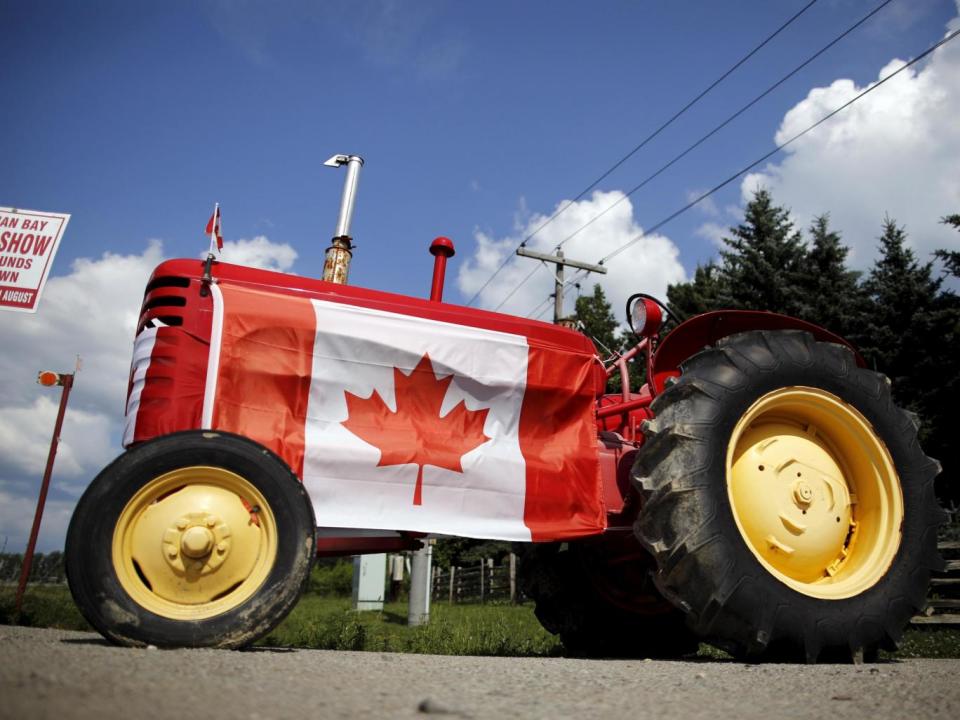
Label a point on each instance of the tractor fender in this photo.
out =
(700, 331)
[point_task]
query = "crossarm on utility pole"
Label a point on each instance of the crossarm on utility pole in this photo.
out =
(561, 262)
(559, 259)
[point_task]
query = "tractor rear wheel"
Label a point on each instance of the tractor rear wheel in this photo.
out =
(786, 500)
(598, 596)
(196, 539)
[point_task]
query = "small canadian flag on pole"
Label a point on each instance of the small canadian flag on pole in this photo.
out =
(213, 229)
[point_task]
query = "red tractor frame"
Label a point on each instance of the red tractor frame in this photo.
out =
(762, 492)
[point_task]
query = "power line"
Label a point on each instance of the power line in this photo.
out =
(542, 307)
(518, 286)
(669, 122)
(726, 122)
(567, 285)
(775, 150)
(539, 310)
(643, 142)
(722, 125)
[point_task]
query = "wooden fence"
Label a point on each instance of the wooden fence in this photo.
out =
(481, 582)
(47, 568)
(943, 602)
(487, 582)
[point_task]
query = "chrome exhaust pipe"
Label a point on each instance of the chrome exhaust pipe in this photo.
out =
(336, 266)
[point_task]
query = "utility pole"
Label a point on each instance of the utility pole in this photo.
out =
(561, 262)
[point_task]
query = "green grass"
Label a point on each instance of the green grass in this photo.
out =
(928, 642)
(43, 606)
(329, 623)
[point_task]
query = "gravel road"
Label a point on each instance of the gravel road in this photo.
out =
(66, 675)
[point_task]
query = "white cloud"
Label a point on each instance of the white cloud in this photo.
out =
(893, 152)
(91, 312)
(258, 252)
(734, 212)
(16, 518)
(714, 232)
(648, 266)
(85, 440)
(707, 206)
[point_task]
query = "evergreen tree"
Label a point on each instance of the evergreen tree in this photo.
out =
(942, 402)
(950, 258)
(597, 320)
(901, 294)
(912, 334)
(765, 260)
(700, 295)
(830, 295)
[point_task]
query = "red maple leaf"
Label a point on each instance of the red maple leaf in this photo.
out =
(416, 433)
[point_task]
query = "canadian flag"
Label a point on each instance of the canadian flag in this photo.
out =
(213, 229)
(403, 422)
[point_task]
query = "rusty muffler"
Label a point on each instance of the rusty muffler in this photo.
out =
(336, 266)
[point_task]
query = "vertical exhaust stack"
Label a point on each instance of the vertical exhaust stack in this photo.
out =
(336, 266)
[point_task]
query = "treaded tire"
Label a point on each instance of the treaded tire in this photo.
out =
(686, 521)
(569, 604)
(90, 564)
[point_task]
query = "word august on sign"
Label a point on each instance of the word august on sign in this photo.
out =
(28, 243)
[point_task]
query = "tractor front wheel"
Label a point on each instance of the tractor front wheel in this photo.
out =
(786, 500)
(196, 539)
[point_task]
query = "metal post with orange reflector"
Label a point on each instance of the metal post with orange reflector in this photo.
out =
(46, 378)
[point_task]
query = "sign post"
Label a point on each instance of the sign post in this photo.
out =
(28, 241)
(48, 379)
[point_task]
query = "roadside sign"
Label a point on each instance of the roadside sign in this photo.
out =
(28, 241)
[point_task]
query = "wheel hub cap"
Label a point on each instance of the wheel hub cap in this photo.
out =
(814, 492)
(186, 545)
(799, 524)
(196, 542)
(189, 543)
(802, 495)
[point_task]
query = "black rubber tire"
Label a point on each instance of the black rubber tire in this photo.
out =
(568, 603)
(704, 565)
(92, 577)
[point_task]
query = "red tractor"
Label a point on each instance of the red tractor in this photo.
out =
(760, 492)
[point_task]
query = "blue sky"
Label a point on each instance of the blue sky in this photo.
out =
(476, 120)
(136, 117)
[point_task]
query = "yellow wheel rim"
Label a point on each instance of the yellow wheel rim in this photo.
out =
(814, 492)
(194, 543)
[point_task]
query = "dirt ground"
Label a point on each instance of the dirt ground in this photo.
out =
(59, 674)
